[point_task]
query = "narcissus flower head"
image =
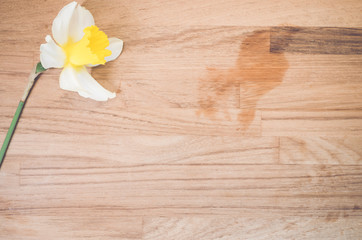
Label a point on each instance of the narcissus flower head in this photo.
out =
(78, 44)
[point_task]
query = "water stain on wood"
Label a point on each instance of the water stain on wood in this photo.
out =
(332, 217)
(256, 72)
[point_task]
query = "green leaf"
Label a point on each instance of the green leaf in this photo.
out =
(39, 68)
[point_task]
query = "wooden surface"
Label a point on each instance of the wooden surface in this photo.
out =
(233, 120)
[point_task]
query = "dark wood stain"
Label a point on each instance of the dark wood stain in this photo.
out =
(316, 40)
(256, 72)
(356, 208)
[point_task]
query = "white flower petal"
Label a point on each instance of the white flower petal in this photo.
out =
(81, 19)
(51, 55)
(79, 80)
(67, 81)
(84, 94)
(116, 47)
(61, 23)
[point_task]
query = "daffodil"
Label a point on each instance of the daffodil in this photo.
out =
(77, 44)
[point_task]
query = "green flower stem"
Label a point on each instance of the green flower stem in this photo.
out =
(37, 70)
(11, 130)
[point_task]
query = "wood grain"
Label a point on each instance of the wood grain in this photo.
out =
(146, 149)
(312, 123)
(70, 227)
(316, 40)
(312, 150)
(249, 228)
(233, 120)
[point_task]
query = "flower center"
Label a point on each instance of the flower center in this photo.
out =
(91, 49)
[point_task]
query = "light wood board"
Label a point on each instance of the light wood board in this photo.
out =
(233, 120)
